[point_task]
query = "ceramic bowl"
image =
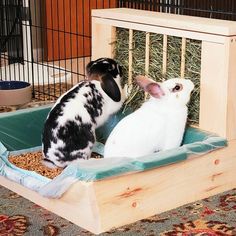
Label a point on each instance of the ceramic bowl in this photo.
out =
(15, 93)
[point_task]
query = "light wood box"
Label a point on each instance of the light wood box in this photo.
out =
(101, 205)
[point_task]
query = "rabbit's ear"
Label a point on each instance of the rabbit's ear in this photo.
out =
(88, 67)
(150, 86)
(154, 89)
(120, 70)
(110, 87)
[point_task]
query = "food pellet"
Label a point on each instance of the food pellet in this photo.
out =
(32, 161)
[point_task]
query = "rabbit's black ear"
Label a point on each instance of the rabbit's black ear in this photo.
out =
(110, 87)
(88, 67)
(120, 70)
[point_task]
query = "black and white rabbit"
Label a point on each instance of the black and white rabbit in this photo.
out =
(157, 125)
(69, 130)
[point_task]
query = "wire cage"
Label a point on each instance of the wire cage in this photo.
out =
(48, 42)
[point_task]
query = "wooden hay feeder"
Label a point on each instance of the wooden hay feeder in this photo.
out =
(112, 202)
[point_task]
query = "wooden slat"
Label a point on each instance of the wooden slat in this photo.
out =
(147, 57)
(130, 57)
(183, 53)
(147, 53)
(170, 21)
(161, 30)
(164, 57)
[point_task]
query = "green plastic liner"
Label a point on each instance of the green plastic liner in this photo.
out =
(20, 132)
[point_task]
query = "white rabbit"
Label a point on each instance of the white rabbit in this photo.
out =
(158, 125)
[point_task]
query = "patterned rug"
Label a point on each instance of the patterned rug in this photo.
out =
(215, 216)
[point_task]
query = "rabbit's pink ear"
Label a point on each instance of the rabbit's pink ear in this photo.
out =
(149, 86)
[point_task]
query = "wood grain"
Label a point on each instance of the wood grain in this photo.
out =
(101, 205)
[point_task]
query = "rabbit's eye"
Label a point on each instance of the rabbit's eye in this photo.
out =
(177, 88)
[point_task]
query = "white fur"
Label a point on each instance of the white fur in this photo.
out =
(157, 125)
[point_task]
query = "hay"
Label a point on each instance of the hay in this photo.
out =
(192, 64)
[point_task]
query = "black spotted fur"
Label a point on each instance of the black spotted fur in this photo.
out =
(69, 130)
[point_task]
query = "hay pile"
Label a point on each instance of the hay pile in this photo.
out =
(192, 64)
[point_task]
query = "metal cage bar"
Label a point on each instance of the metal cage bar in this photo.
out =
(48, 42)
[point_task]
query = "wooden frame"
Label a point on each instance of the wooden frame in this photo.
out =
(218, 90)
(101, 205)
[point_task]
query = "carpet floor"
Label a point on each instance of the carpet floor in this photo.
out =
(215, 216)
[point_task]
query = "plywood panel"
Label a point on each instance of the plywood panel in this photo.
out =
(101, 205)
(171, 21)
(213, 88)
(126, 199)
(231, 102)
(103, 36)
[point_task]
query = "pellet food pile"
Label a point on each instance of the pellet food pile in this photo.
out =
(32, 161)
